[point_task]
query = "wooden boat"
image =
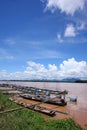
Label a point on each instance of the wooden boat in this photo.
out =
(27, 89)
(35, 107)
(60, 102)
(41, 109)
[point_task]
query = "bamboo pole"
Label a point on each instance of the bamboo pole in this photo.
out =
(11, 110)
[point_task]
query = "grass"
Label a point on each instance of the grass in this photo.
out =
(26, 119)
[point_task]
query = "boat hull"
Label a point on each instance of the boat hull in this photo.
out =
(46, 101)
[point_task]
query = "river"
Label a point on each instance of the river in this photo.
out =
(76, 110)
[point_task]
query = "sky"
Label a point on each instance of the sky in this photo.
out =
(43, 39)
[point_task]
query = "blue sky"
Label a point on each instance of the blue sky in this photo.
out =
(43, 39)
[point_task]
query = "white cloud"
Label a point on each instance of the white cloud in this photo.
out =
(52, 67)
(72, 68)
(67, 6)
(59, 38)
(69, 68)
(70, 31)
(37, 70)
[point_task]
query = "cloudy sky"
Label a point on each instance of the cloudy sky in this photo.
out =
(43, 39)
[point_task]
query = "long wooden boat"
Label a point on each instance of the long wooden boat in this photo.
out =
(59, 102)
(35, 107)
(28, 89)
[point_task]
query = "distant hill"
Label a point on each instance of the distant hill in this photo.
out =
(70, 80)
(74, 80)
(81, 81)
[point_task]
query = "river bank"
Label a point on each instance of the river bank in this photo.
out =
(28, 119)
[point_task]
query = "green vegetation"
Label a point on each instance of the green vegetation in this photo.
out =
(25, 119)
(5, 103)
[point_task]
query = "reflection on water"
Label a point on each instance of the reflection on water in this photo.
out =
(77, 110)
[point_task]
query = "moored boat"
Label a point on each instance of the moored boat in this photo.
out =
(60, 102)
(35, 107)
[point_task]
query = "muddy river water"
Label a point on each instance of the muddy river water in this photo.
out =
(78, 111)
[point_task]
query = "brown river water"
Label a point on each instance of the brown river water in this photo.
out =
(78, 110)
